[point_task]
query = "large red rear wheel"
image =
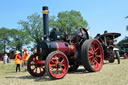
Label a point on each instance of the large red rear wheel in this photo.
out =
(36, 67)
(56, 65)
(92, 55)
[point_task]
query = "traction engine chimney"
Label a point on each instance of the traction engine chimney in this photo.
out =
(45, 22)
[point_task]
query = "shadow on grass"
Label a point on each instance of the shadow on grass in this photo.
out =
(46, 77)
(114, 63)
(79, 71)
(37, 79)
(43, 78)
(105, 63)
(28, 77)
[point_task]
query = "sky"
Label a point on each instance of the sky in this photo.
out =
(101, 15)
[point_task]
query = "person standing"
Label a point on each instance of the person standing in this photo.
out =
(17, 60)
(25, 58)
(5, 57)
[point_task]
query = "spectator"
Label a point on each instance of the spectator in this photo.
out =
(8, 60)
(17, 60)
(25, 58)
(5, 57)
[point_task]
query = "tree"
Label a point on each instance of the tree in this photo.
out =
(4, 39)
(18, 39)
(13, 38)
(33, 26)
(126, 17)
(127, 25)
(125, 40)
(68, 21)
(1, 47)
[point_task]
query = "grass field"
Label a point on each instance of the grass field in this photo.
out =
(110, 74)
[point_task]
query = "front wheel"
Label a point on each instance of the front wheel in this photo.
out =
(56, 65)
(92, 55)
(36, 67)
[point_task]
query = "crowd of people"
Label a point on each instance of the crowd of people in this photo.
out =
(24, 59)
(20, 61)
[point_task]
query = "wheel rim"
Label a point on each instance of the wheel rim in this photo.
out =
(58, 65)
(95, 55)
(35, 67)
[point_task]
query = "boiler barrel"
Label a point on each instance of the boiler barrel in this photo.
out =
(47, 47)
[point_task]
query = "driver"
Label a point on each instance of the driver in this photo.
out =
(84, 33)
(80, 35)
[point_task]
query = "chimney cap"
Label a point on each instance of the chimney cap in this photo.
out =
(45, 7)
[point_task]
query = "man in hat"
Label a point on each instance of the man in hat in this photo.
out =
(17, 60)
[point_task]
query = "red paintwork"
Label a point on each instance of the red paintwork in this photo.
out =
(40, 62)
(95, 54)
(58, 72)
(66, 48)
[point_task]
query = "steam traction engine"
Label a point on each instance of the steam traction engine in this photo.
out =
(56, 57)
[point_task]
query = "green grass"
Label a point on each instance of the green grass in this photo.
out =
(110, 74)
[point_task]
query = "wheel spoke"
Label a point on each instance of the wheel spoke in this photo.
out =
(56, 71)
(52, 61)
(91, 48)
(62, 61)
(96, 49)
(52, 65)
(40, 70)
(62, 64)
(35, 70)
(56, 58)
(61, 68)
(97, 64)
(91, 52)
(90, 57)
(98, 56)
(43, 67)
(92, 61)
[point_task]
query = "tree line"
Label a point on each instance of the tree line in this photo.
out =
(12, 39)
(32, 29)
